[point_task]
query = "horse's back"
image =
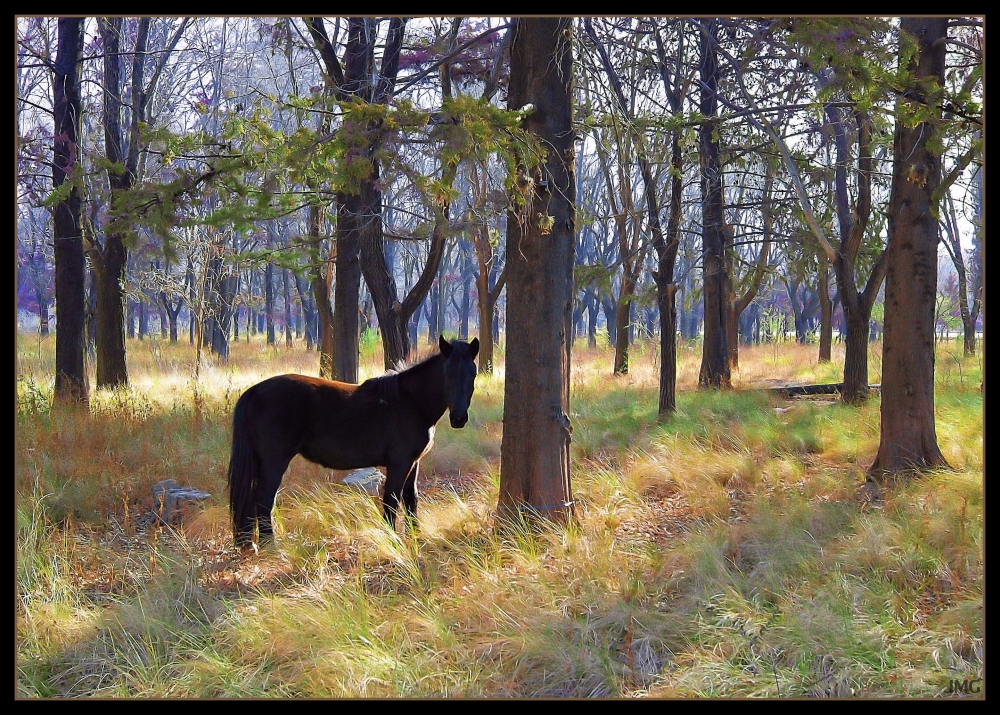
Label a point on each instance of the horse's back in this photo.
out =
(336, 424)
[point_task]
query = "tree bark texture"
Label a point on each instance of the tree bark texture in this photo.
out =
(347, 288)
(908, 439)
(70, 268)
(715, 351)
(487, 297)
(825, 312)
(853, 220)
(111, 258)
(534, 450)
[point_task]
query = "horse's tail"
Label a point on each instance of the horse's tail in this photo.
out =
(244, 472)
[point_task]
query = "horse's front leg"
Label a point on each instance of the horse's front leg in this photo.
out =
(395, 479)
(410, 494)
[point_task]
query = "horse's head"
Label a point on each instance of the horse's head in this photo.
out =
(459, 377)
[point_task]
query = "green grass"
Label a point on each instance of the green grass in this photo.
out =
(722, 552)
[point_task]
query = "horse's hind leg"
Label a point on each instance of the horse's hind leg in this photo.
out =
(395, 480)
(267, 488)
(410, 494)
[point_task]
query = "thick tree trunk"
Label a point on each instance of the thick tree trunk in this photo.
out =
(347, 289)
(378, 278)
(856, 321)
(325, 332)
(534, 451)
(908, 439)
(486, 307)
(111, 259)
(360, 241)
(92, 313)
(70, 276)
(715, 351)
(623, 314)
(667, 246)
(110, 269)
(666, 296)
(222, 290)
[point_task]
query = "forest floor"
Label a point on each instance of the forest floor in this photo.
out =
(724, 552)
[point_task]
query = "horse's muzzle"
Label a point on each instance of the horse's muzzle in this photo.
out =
(458, 421)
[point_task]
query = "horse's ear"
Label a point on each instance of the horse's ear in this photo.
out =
(445, 346)
(474, 348)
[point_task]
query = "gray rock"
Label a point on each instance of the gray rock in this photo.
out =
(367, 480)
(172, 502)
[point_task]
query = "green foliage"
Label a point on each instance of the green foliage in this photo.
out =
(597, 275)
(255, 172)
(859, 49)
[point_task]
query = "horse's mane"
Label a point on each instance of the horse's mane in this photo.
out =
(386, 386)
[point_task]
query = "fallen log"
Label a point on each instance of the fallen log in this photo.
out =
(802, 390)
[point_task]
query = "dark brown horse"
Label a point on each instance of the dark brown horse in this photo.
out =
(386, 421)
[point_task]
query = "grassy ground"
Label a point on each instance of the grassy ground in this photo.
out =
(721, 553)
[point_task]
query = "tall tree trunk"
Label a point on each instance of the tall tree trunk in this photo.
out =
(269, 301)
(302, 286)
(286, 294)
(463, 311)
(171, 312)
(347, 288)
(192, 301)
(71, 339)
(857, 304)
(715, 351)
(378, 278)
(488, 297)
(320, 268)
(143, 316)
(908, 439)
(825, 311)
(977, 258)
(739, 303)
(111, 259)
(534, 450)
(91, 313)
(592, 313)
(952, 242)
(433, 312)
(110, 270)
(856, 354)
(360, 240)
(223, 286)
(623, 320)
(666, 248)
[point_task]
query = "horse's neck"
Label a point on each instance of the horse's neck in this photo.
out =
(424, 384)
(387, 387)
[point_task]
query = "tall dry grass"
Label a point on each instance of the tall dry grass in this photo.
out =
(722, 552)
